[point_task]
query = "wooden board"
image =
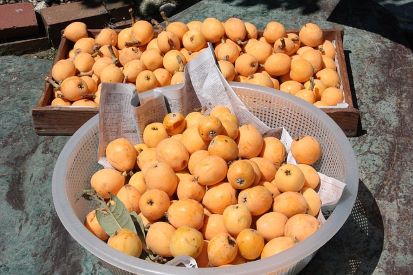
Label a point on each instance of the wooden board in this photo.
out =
(48, 120)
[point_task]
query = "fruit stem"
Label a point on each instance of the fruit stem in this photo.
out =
(125, 78)
(295, 39)
(158, 26)
(132, 43)
(96, 53)
(132, 16)
(321, 49)
(114, 58)
(52, 82)
(222, 40)
(312, 84)
(89, 73)
(243, 43)
(181, 63)
(165, 18)
(282, 43)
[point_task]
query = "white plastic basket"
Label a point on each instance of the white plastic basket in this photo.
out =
(77, 162)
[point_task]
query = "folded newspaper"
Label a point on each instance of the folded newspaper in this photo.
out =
(125, 113)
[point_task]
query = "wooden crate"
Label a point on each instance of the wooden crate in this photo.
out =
(48, 120)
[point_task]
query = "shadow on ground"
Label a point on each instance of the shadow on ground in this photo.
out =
(372, 17)
(357, 247)
(147, 9)
(306, 6)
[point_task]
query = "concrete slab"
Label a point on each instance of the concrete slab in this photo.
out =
(17, 20)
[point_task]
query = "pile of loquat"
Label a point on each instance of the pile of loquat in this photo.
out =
(208, 188)
(301, 64)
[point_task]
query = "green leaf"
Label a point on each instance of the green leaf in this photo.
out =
(140, 228)
(114, 216)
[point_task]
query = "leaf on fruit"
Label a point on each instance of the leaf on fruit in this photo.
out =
(114, 216)
(140, 228)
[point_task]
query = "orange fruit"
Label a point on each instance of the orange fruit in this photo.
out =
(83, 62)
(250, 141)
(142, 32)
(257, 199)
(224, 147)
(271, 225)
(250, 243)
(168, 41)
(306, 150)
(218, 197)
(63, 69)
(290, 204)
(273, 31)
(289, 177)
(236, 218)
(211, 170)
(246, 64)
(301, 70)
(276, 246)
(107, 181)
(291, 86)
(172, 152)
(186, 212)
(212, 29)
(194, 41)
(146, 80)
(273, 150)
(252, 31)
(277, 64)
(241, 174)
(107, 36)
(332, 96)
(152, 59)
(158, 238)
(301, 226)
(311, 35)
(75, 31)
(227, 69)
(92, 224)
(73, 88)
(235, 29)
(177, 28)
(153, 204)
(126, 241)
(161, 176)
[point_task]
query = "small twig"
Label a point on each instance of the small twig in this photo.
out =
(52, 82)
(282, 43)
(132, 16)
(312, 84)
(114, 58)
(165, 18)
(89, 73)
(158, 26)
(132, 43)
(181, 63)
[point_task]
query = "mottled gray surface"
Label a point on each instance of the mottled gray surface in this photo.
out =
(376, 238)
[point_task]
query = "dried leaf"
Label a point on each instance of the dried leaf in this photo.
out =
(91, 195)
(114, 216)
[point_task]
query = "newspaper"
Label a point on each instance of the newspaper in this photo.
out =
(125, 113)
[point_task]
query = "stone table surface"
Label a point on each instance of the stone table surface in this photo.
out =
(377, 237)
